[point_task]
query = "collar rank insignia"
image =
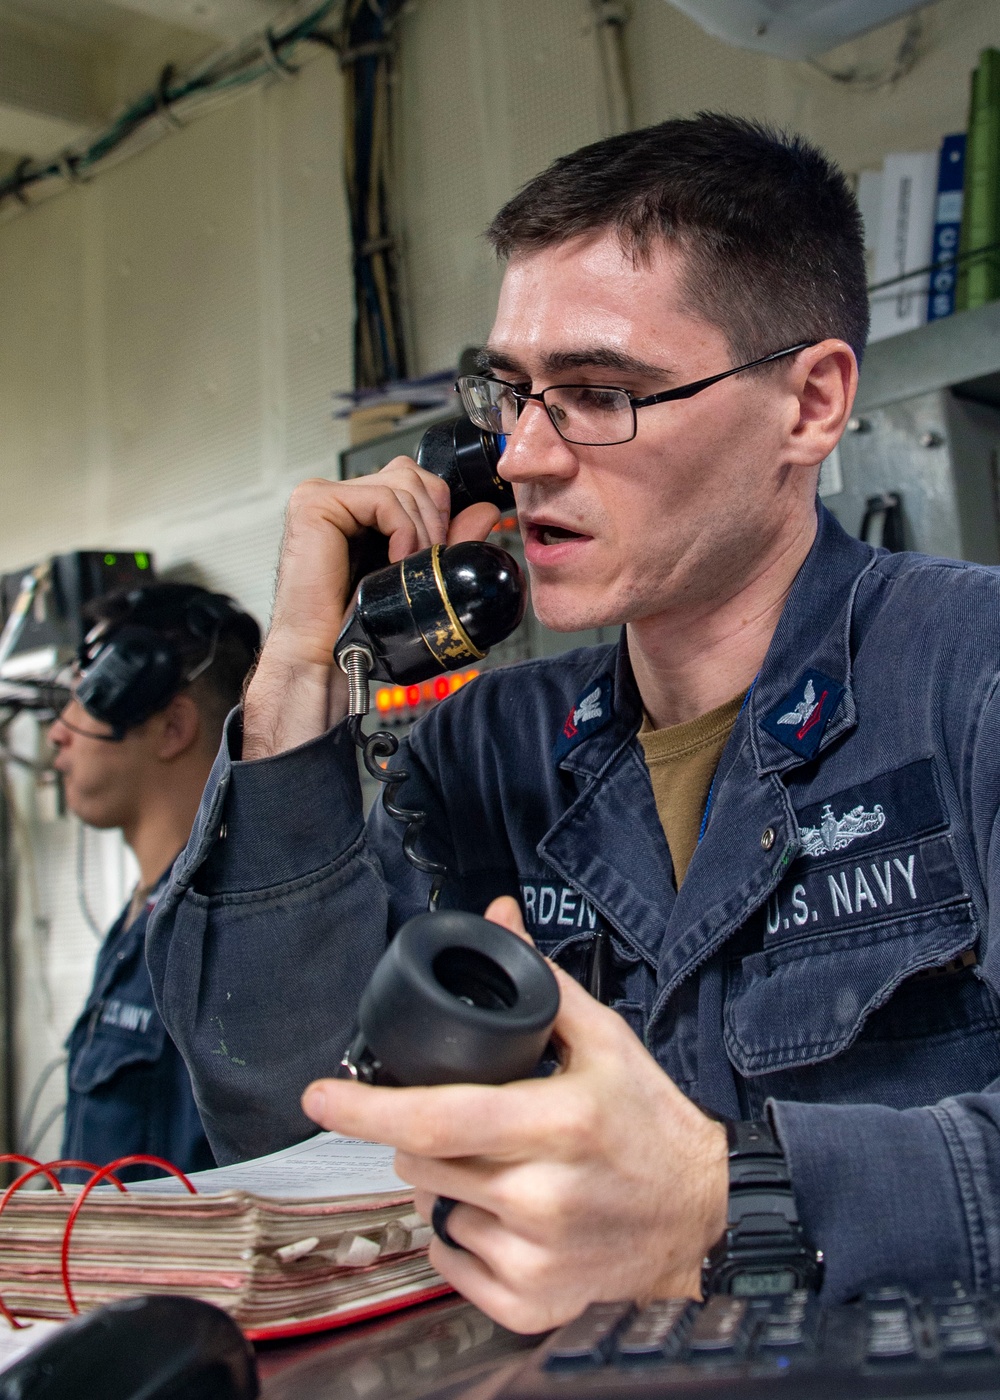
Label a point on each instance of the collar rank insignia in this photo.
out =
(589, 713)
(800, 718)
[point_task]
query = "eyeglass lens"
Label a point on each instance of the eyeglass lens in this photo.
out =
(582, 414)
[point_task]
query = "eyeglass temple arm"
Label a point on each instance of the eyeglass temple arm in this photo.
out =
(688, 391)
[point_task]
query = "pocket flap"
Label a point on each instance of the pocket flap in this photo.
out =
(810, 1002)
(109, 1049)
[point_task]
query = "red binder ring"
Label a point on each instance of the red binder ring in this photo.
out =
(138, 1159)
(48, 1169)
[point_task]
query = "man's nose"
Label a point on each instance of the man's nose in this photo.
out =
(535, 449)
(59, 735)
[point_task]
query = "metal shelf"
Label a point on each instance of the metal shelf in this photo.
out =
(960, 352)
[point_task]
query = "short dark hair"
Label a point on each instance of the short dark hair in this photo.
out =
(165, 608)
(769, 226)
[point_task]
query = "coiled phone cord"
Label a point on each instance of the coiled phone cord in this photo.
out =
(376, 750)
(382, 746)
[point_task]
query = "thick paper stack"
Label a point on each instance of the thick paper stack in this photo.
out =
(320, 1234)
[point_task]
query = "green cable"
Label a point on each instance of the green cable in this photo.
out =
(150, 105)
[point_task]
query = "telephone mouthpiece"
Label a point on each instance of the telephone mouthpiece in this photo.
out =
(486, 589)
(455, 999)
(435, 611)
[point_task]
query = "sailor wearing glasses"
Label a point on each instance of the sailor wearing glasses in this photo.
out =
(770, 809)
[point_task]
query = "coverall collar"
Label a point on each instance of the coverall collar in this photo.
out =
(728, 878)
(813, 634)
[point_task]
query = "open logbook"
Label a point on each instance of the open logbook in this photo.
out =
(317, 1235)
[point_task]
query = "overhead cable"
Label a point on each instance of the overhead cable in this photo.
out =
(365, 41)
(167, 106)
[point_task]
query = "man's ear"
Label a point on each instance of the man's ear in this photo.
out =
(179, 727)
(826, 380)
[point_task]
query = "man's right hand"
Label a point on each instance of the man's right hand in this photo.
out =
(297, 691)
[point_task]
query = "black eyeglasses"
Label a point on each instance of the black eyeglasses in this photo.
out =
(588, 415)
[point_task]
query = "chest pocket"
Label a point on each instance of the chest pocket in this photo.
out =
(112, 1036)
(861, 913)
(563, 924)
(120, 1026)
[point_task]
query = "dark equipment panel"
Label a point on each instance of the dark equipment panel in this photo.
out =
(72, 580)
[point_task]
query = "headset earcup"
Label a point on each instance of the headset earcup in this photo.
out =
(134, 674)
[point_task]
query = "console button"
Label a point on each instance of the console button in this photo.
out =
(719, 1328)
(655, 1331)
(890, 1333)
(960, 1329)
(588, 1340)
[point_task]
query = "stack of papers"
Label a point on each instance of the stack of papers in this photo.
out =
(317, 1235)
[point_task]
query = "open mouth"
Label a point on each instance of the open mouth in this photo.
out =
(556, 534)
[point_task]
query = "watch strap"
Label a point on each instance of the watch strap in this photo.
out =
(763, 1235)
(756, 1158)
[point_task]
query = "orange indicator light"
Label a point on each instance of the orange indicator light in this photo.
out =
(393, 700)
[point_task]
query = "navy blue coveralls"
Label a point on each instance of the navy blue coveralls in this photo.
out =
(833, 950)
(129, 1090)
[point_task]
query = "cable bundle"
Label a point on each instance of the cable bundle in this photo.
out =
(169, 103)
(365, 46)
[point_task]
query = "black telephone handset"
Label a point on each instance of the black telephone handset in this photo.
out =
(149, 1347)
(454, 997)
(464, 457)
(441, 608)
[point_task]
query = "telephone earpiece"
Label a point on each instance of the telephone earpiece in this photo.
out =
(467, 459)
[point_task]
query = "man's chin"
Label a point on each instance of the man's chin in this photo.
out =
(91, 814)
(569, 614)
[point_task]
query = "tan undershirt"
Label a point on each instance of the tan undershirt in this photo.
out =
(682, 761)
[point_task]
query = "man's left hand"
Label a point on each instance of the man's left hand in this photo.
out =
(602, 1181)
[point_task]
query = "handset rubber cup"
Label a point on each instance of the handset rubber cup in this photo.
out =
(467, 459)
(457, 999)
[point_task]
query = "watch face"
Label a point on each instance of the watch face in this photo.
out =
(755, 1285)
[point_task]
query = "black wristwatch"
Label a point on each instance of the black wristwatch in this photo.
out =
(764, 1249)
